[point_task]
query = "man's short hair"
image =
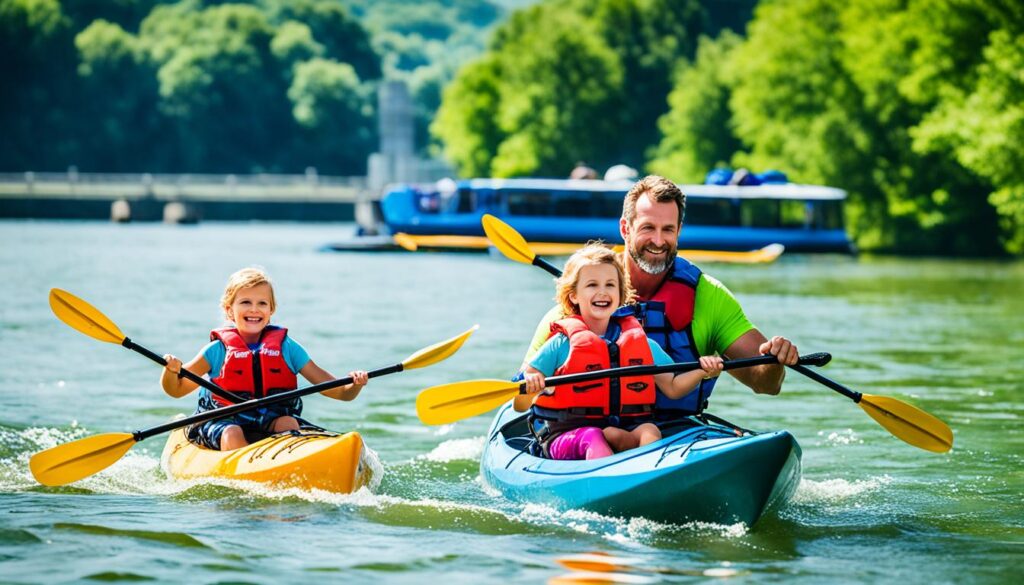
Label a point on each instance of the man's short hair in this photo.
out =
(658, 189)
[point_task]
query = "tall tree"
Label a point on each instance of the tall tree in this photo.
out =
(37, 67)
(697, 132)
(574, 80)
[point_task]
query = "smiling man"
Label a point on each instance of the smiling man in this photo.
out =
(687, 312)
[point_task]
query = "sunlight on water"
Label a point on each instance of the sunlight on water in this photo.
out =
(844, 437)
(457, 449)
(943, 335)
(832, 491)
(625, 530)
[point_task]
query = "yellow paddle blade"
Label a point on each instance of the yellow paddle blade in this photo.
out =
(448, 403)
(84, 317)
(909, 423)
(405, 241)
(437, 352)
(79, 459)
(506, 239)
(523, 402)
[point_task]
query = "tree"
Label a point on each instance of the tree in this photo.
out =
(118, 124)
(467, 121)
(342, 37)
(333, 111)
(697, 133)
(39, 60)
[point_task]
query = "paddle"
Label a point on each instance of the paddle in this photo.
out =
(86, 318)
(449, 403)
(79, 459)
(513, 245)
(907, 423)
(405, 242)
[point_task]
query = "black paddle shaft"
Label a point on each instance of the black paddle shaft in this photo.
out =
(542, 263)
(814, 359)
(851, 394)
(249, 405)
(127, 342)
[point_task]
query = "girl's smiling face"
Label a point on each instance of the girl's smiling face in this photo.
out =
(250, 310)
(597, 291)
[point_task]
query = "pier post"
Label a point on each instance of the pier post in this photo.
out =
(181, 212)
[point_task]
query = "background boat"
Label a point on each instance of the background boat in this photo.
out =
(803, 218)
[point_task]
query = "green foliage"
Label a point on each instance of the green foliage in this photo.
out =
(982, 127)
(467, 120)
(112, 123)
(563, 79)
(125, 13)
(294, 42)
(343, 38)
(38, 60)
(913, 107)
(200, 87)
(697, 130)
(332, 107)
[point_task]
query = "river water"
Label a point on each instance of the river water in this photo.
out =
(943, 335)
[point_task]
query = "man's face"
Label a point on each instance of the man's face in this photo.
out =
(653, 236)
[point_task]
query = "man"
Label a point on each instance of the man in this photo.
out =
(686, 311)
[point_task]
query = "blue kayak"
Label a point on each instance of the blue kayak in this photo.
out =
(699, 471)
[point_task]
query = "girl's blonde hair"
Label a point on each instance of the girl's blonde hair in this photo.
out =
(245, 278)
(593, 254)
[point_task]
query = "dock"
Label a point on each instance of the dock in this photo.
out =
(185, 198)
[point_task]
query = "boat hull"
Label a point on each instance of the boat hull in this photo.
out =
(702, 473)
(304, 459)
(803, 218)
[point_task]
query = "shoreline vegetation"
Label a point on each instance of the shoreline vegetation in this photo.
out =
(917, 110)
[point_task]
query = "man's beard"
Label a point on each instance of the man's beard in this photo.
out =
(656, 267)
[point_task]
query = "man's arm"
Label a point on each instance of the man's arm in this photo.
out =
(762, 379)
(732, 335)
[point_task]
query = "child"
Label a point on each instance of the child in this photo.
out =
(252, 359)
(580, 421)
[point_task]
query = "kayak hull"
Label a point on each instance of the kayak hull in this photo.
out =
(304, 459)
(697, 472)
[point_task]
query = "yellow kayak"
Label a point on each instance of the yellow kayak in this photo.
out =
(305, 459)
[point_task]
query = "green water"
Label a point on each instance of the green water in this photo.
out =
(944, 335)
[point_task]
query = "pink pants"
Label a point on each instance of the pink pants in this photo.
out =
(581, 443)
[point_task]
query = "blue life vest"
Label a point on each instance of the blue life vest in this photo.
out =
(667, 317)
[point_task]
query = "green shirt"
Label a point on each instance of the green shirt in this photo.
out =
(718, 320)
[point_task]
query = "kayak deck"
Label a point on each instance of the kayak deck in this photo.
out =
(304, 459)
(697, 472)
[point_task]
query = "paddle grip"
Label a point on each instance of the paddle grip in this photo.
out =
(215, 389)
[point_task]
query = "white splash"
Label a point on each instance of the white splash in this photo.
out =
(456, 450)
(623, 530)
(845, 437)
(837, 490)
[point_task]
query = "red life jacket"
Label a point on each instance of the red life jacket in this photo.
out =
(249, 373)
(625, 397)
